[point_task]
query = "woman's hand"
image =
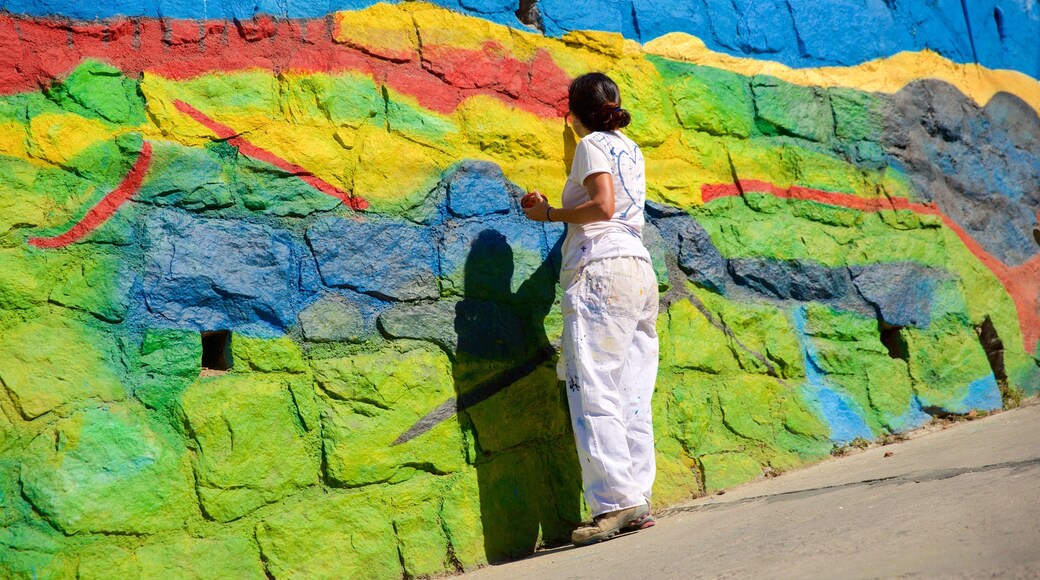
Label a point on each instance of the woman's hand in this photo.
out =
(539, 211)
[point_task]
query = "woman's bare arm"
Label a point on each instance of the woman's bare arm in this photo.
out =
(599, 208)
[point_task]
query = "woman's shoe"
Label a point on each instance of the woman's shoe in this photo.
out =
(608, 525)
(642, 523)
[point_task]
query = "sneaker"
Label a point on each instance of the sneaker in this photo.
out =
(608, 525)
(642, 523)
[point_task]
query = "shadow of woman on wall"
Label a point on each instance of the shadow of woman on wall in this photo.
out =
(511, 406)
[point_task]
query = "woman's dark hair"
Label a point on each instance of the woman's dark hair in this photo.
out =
(596, 101)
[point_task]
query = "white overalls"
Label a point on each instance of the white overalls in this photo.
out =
(610, 348)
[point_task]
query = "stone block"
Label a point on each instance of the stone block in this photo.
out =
(267, 355)
(219, 274)
(100, 90)
(787, 109)
(751, 406)
(52, 362)
(902, 293)
(722, 470)
(187, 177)
(431, 321)
(392, 260)
(858, 116)
(107, 470)
(266, 189)
(332, 320)
(251, 446)
(478, 188)
(373, 404)
(339, 535)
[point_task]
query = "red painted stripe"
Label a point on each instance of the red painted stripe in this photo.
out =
(231, 136)
(36, 51)
(105, 208)
(1021, 282)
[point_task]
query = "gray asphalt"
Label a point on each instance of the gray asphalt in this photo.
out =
(954, 501)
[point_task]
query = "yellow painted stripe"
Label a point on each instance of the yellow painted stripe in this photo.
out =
(884, 75)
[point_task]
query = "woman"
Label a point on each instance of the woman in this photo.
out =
(609, 311)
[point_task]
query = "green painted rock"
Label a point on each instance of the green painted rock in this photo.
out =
(677, 478)
(251, 445)
(341, 535)
(531, 409)
(713, 101)
(858, 116)
(944, 360)
(100, 90)
(722, 470)
(373, 402)
(52, 362)
(751, 405)
(332, 320)
(24, 283)
(461, 518)
(104, 470)
(689, 341)
(786, 109)
(267, 354)
(33, 552)
(177, 557)
(98, 286)
(187, 177)
(172, 352)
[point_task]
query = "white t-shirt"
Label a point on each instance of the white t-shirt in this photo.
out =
(622, 236)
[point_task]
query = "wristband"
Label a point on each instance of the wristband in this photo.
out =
(547, 210)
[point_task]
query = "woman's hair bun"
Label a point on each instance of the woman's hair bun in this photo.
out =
(619, 119)
(595, 99)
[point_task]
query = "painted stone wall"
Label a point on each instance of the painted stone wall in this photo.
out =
(268, 305)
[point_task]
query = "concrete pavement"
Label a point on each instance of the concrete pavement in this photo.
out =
(955, 502)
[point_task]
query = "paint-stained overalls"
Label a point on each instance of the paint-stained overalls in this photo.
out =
(610, 348)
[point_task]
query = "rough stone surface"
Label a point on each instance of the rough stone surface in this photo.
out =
(359, 520)
(405, 270)
(371, 404)
(54, 362)
(218, 274)
(104, 470)
(250, 443)
(332, 320)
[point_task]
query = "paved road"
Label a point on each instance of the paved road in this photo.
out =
(959, 502)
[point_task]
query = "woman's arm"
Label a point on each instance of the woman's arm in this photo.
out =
(599, 208)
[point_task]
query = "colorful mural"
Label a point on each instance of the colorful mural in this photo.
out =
(268, 305)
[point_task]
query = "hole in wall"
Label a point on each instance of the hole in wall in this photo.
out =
(529, 14)
(893, 339)
(216, 350)
(1036, 236)
(998, 18)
